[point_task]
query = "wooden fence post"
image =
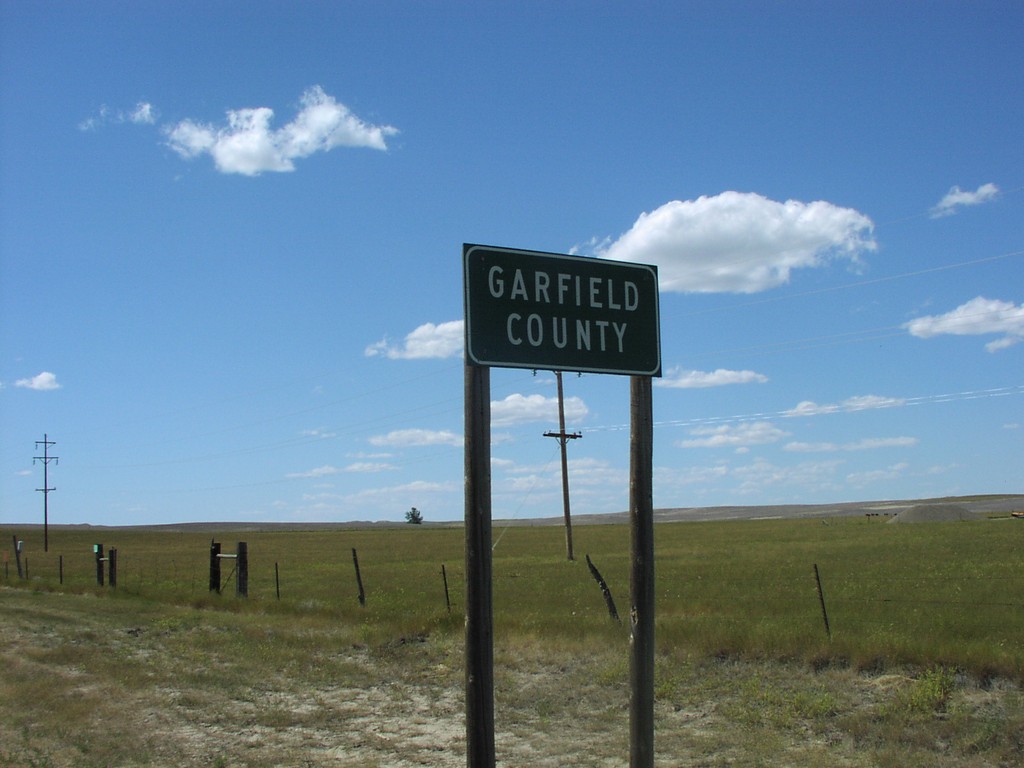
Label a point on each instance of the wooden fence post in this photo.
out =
(98, 550)
(17, 556)
(444, 578)
(277, 580)
(608, 599)
(61, 568)
(359, 578)
(215, 566)
(242, 570)
(821, 599)
(112, 566)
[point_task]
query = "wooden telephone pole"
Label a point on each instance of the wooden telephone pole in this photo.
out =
(563, 438)
(46, 458)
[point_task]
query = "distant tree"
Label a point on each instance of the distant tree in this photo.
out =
(414, 516)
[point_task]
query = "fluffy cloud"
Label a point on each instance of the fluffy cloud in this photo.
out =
(359, 467)
(384, 503)
(248, 145)
(957, 198)
(674, 478)
(362, 467)
(762, 475)
(734, 436)
(407, 438)
(43, 382)
(325, 471)
(521, 409)
(590, 477)
(427, 341)
(861, 479)
(142, 113)
(679, 378)
(740, 242)
(858, 403)
(978, 317)
(401, 496)
(866, 444)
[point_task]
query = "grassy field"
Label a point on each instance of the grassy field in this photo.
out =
(923, 666)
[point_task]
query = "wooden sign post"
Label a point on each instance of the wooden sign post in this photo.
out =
(479, 606)
(526, 309)
(641, 574)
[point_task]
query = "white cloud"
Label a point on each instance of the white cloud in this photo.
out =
(734, 436)
(328, 470)
(861, 479)
(871, 402)
(521, 409)
(190, 139)
(810, 477)
(408, 438)
(679, 378)
(979, 316)
(587, 476)
(811, 408)
(363, 467)
(248, 145)
(857, 403)
(94, 122)
(957, 198)
(427, 341)
(43, 382)
(142, 113)
(589, 471)
(681, 477)
(382, 503)
(867, 444)
(325, 471)
(740, 242)
(401, 497)
(593, 245)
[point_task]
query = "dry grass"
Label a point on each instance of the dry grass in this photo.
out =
(924, 667)
(127, 682)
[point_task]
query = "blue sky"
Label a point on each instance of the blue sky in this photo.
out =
(231, 235)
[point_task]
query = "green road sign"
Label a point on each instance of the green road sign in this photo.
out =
(528, 309)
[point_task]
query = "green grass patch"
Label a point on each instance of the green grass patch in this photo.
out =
(937, 594)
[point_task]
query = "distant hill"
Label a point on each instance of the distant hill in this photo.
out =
(980, 506)
(1001, 504)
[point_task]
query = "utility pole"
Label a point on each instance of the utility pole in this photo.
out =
(563, 438)
(46, 458)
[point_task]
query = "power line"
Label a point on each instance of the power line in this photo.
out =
(846, 407)
(857, 284)
(46, 458)
(563, 438)
(763, 349)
